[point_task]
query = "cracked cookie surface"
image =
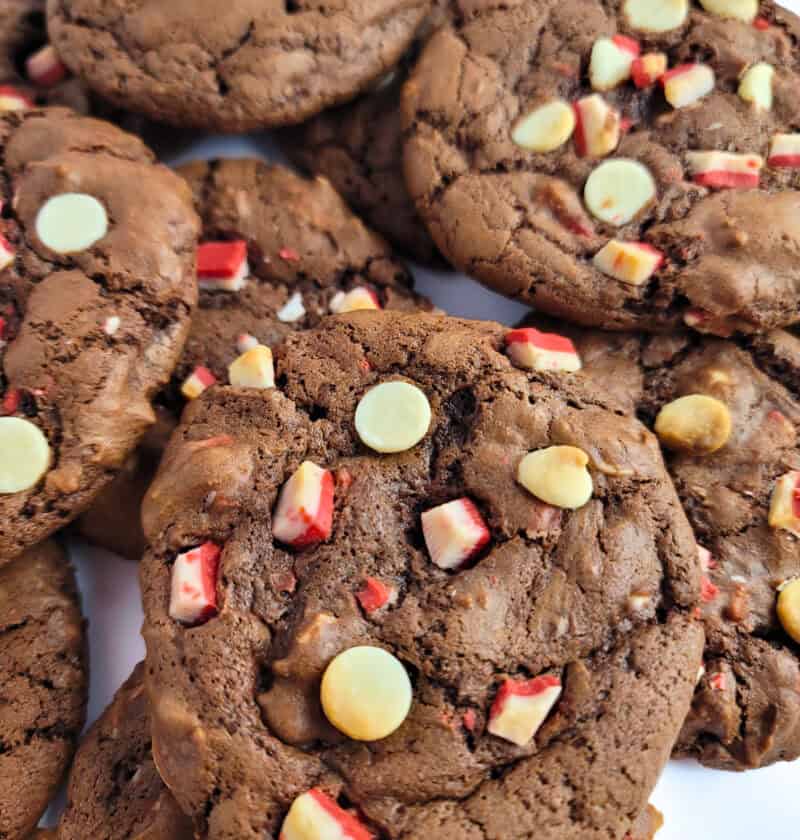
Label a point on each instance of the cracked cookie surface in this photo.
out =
(115, 791)
(43, 683)
(303, 245)
(238, 730)
(746, 709)
(237, 66)
(530, 225)
(97, 285)
(359, 146)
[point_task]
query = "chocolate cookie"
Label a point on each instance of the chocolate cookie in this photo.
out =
(445, 554)
(359, 146)
(114, 788)
(30, 69)
(97, 254)
(286, 251)
(235, 66)
(728, 414)
(621, 164)
(43, 683)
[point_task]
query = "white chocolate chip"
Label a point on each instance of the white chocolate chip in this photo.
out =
(111, 324)
(557, 475)
(393, 417)
(618, 190)
(253, 369)
(545, 128)
(789, 608)
(24, 454)
(744, 10)
(756, 85)
(293, 310)
(687, 84)
(696, 423)
(71, 222)
(366, 693)
(656, 15)
(784, 509)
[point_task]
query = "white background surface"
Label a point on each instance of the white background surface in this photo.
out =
(698, 804)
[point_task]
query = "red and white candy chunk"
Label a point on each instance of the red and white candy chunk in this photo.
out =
(597, 126)
(193, 599)
(784, 151)
(222, 265)
(533, 350)
(454, 533)
(784, 511)
(685, 84)
(12, 99)
(633, 263)
(354, 300)
(6, 253)
(611, 61)
(304, 514)
(315, 816)
(45, 68)
(197, 382)
(522, 706)
(725, 169)
(648, 69)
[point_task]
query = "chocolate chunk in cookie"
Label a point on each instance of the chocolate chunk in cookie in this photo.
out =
(43, 683)
(280, 251)
(364, 609)
(115, 791)
(235, 66)
(97, 254)
(628, 164)
(728, 415)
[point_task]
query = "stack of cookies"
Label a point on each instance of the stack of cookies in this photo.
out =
(404, 575)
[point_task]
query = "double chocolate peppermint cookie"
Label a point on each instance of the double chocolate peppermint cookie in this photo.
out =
(411, 591)
(359, 146)
(97, 260)
(115, 792)
(30, 69)
(621, 164)
(235, 66)
(43, 684)
(728, 415)
(279, 252)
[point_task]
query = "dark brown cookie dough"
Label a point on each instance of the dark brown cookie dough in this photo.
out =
(23, 33)
(518, 219)
(746, 710)
(303, 243)
(235, 66)
(359, 146)
(115, 792)
(238, 731)
(43, 683)
(114, 519)
(93, 315)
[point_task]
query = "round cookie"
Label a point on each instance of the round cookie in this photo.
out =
(279, 541)
(234, 67)
(553, 159)
(30, 70)
(97, 254)
(43, 673)
(304, 248)
(746, 710)
(115, 791)
(359, 146)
